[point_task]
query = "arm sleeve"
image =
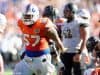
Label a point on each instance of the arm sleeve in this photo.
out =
(83, 22)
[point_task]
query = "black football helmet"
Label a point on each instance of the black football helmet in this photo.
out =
(50, 11)
(91, 43)
(72, 7)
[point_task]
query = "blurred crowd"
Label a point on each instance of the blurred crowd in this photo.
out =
(13, 11)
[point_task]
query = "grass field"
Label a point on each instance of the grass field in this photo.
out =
(8, 72)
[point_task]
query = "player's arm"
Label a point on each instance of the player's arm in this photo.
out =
(51, 33)
(83, 36)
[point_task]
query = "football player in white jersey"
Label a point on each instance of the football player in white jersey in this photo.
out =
(74, 37)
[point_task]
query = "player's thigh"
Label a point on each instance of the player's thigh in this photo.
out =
(48, 66)
(21, 69)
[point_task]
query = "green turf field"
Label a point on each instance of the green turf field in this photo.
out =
(8, 72)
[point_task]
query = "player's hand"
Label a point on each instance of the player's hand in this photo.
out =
(64, 50)
(76, 58)
(86, 59)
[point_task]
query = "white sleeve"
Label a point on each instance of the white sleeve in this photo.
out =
(83, 22)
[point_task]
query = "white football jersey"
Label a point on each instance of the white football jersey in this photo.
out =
(71, 34)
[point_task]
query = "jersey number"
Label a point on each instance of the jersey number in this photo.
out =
(67, 33)
(27, 42)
